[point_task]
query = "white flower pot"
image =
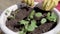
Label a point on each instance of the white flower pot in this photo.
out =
(6, 30)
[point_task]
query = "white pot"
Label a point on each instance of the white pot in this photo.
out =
(6, 30)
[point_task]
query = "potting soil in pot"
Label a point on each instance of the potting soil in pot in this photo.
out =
(31, 20)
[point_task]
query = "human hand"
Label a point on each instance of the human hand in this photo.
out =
(47, 4)
(31, 2)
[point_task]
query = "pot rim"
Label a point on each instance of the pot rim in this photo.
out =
(6, 30)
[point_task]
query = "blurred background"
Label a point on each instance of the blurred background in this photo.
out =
(6, 3)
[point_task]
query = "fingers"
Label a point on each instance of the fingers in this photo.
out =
(25, 1)
(44, 3)
(29, 2)
(32, 2)
(49, 4)
(52, 5)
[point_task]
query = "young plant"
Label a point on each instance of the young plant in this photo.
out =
(28, 27)
(52, 17)
(32, 14)
(13, 14)
(43, 21)
(24, 22)
(32, 26)
(38, 14)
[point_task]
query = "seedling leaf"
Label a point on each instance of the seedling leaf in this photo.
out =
(38, 14)
(43, 21)
(24, 22)
(32, 26)
(32, 14)
(52, 17)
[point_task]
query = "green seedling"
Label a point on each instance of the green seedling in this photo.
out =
(32, 26)
(28, 27)
(38, 14)
(43, 21)
(24, 22)
(52, 17)
(32, 14)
